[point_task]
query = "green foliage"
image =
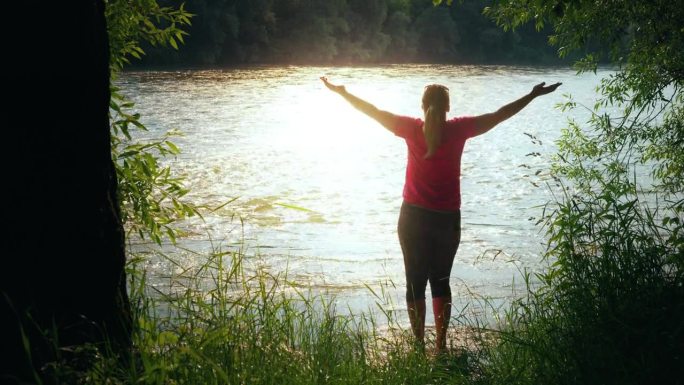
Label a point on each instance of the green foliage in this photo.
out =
(438, 34)
(610, 310)
(647, 35)
(149, 194)
(129, 23)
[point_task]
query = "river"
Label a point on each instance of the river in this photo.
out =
(274, 137)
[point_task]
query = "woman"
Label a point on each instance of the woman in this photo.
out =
(430, 219)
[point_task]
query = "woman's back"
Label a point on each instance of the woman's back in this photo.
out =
(434, 182)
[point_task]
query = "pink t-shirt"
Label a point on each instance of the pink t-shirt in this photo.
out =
(435, 183)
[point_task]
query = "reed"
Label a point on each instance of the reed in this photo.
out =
(610, 310)
(227, 323)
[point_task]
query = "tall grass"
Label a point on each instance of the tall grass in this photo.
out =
(225, 323)
(610, 310)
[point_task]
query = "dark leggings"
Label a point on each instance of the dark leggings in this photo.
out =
(429, 240)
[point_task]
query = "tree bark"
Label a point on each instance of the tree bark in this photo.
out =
(63, 260)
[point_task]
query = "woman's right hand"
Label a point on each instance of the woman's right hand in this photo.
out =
(540, 89)
(332, 87)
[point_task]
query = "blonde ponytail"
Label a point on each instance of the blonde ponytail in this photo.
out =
(433, 129)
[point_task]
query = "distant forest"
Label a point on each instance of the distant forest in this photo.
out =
(347, 32)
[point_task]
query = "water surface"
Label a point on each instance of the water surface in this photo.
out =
(274, 137)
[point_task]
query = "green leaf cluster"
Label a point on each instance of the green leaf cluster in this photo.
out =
(130, 23)
(610, 308)
(150, 194)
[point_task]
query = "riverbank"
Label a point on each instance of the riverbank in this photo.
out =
(245, 139)
(224, 323)
(257, 329)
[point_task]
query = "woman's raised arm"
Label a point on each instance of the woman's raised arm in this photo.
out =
(387, 119)
(486, 122)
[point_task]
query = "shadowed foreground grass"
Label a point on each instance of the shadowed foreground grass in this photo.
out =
(219, 324)
(609, 311)
(611, 308)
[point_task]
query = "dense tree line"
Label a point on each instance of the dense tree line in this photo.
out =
(342, 32)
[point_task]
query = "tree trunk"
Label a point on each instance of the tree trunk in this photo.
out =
(63, 258)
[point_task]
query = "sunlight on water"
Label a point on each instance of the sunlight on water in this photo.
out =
(276, 138)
